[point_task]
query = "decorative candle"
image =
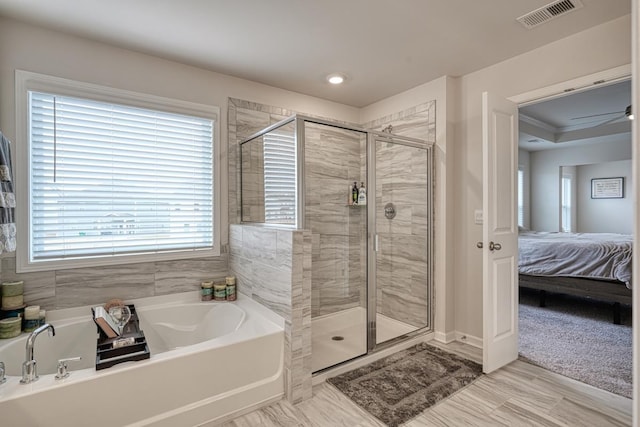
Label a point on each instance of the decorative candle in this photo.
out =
(14, 301)
(231, 292)
(220, 292)
(10, 327)
(206, 291)
(31, 318)
(10, 289)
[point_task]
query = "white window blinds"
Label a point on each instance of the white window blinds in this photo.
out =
(279, 178)
(109, 179)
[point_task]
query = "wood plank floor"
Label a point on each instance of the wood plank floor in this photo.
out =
(516, 395)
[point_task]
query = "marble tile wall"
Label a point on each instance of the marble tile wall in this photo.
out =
(96, 285)
(334, 159)
(244, 120)
(253, 180)
(273, 266)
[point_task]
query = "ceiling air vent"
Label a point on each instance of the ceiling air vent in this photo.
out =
(549, 12)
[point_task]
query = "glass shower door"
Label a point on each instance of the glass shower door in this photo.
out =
(403, 238)
(335, 158)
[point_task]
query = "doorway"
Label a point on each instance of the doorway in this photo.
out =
(566, 144)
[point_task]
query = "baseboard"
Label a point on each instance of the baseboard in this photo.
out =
(469, 339)
(445, 337)
(449, 337)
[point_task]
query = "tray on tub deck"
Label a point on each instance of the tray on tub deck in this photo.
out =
(111, 351)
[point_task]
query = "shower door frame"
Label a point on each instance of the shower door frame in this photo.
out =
(372, 240)
(372, 301)
(372, 236)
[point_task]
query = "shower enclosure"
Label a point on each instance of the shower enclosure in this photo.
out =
(372, 263)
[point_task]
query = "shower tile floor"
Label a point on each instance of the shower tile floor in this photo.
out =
(341, 336)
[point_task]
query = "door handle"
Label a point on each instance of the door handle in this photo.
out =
(479, 245)
(494, 246)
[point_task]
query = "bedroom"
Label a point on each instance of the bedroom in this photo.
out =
(571, 149)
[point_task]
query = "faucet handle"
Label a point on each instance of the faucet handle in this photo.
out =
(3, 378)
(62, 367)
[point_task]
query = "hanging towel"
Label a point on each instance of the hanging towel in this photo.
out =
(7, 198)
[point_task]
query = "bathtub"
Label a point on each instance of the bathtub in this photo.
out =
(209, 360)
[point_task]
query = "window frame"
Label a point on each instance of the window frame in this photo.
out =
(25, 82)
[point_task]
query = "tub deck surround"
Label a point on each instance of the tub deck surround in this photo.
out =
(203, 369)
(273, 267)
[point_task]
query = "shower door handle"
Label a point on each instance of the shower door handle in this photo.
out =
(375, 243)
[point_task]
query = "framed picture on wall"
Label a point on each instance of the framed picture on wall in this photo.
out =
(607, 188)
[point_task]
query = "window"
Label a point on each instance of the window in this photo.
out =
(279, 178)
(109, 180)
(566, 203)
(520, 197)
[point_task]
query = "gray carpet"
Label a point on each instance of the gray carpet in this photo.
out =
(401, 386)
(575, 337)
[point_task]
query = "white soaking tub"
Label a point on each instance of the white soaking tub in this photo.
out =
(208, 360)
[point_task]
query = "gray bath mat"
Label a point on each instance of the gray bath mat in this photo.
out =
(401, 386)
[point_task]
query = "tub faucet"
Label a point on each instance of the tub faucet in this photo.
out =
(29, 368)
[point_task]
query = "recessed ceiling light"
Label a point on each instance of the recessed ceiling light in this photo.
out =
(335, 79)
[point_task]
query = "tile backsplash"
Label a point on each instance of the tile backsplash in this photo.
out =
(96, 285)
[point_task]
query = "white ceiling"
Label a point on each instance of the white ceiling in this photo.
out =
(383, 46)
(590, 116)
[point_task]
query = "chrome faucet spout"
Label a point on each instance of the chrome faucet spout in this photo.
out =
(29, 367)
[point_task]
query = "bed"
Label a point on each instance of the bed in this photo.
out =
(591, 265)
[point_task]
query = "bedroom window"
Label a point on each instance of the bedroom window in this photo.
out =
(520, 197)
(112, 177)
(566, 203)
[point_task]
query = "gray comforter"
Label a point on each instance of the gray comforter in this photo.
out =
(586, 255)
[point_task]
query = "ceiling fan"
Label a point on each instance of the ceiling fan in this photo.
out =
(606, 118)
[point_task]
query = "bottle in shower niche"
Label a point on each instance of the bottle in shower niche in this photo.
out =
(354, 193)
(362, 195)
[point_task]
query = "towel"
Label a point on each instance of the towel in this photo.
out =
(7, 198)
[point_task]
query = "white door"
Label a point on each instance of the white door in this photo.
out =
(499, 231)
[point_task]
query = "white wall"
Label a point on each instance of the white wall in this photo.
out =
(604, 215)
(600, 48)
(545, 175)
